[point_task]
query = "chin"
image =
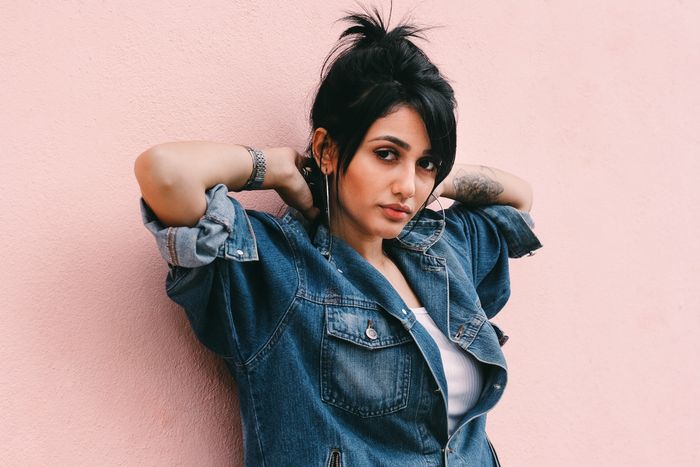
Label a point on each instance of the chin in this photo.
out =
(390, 232)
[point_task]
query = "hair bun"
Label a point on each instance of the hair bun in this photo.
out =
(369, 29)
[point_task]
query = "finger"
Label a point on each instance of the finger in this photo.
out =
(312, 214)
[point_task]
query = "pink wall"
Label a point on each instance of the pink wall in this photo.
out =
(597, 103)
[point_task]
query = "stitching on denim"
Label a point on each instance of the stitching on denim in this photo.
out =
(395, 339)
(225, 279)
(339, 300)
(283, 228)
(275, 336)
(406, 360)
(519, 241)
(430, 368)
(257, 423)
(234, 241)
(326, 394)
(277, 332)
(417, 425)
(219, 220)
(170, 242)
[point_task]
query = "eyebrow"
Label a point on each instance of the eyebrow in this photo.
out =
(397, 141)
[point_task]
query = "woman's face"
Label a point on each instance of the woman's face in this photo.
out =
(388, 180)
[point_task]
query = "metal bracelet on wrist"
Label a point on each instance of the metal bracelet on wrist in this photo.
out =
(257, 175)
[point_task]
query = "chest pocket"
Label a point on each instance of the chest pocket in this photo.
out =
(365, 362)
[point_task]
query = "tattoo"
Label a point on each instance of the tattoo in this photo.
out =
(476, 188)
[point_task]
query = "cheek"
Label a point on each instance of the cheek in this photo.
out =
(356, 189)
(424, 190)
(353, 194)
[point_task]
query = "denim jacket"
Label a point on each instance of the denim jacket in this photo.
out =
(317, 387)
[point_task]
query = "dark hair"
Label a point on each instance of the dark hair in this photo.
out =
(370, 73)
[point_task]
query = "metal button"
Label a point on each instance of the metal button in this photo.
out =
(403, 310)
(370, 331)
(497, 386)
(340, 270)
(239, 252)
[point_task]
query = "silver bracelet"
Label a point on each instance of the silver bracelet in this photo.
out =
(257, 175)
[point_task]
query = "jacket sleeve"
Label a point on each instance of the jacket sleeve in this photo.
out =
(491, 235)
(220, 277)
(199, 245)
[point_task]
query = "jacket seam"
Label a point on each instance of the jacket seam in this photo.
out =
(338, 300)
(269, 345)
(274, 337)
(172, 251)
(257, 422)
(283, 225)
(416, 416)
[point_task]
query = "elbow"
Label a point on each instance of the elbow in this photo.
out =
(150, 170)
(528, 205)
(525, 196)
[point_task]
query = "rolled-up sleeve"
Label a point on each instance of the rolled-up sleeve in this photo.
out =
(199, 245)
(516, 227)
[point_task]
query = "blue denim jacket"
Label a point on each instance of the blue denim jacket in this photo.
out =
(316, 387)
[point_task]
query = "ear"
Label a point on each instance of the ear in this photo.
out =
(324, 150)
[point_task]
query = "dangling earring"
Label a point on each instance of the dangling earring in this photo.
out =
(328, 217)
(442, 210)
(328, 202)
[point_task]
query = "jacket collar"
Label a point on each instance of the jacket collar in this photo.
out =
(425, 229)
(422, 231)
(419, 234)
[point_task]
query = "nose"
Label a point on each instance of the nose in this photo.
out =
(404, 183)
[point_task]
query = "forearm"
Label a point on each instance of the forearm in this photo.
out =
(173, 176)
(478, 185)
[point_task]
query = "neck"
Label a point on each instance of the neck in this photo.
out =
(369, 247)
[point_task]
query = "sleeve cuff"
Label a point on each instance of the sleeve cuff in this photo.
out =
(516, 227)
(200, 244)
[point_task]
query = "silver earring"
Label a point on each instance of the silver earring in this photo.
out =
(328, 216)
(328, 202)
(442, 210)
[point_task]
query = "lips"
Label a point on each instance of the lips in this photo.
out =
(396, 212)
(398, 207)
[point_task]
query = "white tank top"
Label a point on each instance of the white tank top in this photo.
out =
(463, 372)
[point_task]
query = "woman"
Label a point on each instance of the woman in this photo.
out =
(360, 334)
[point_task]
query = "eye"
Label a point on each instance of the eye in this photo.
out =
(386, 154)
(429, 164)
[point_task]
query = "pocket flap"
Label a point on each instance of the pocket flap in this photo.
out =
(369, 328)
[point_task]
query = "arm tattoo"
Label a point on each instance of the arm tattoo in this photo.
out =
(476, 188)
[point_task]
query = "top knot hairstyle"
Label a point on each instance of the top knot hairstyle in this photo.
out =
(370, 73)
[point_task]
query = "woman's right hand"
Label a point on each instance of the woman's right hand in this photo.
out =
(284, 176)
(173, 177)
